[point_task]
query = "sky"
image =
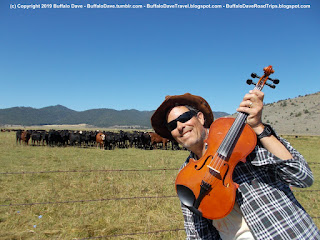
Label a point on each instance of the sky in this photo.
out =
(132, 58)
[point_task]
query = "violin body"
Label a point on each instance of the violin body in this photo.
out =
(205, 186)
(217, 200)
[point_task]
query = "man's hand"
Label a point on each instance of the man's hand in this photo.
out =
(252, 104)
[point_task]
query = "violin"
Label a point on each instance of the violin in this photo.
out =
(205, 186)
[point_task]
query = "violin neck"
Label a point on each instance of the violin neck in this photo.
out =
(234, 132)
(232, 136)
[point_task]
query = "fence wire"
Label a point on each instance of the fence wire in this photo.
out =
(84, 201)
(101, 170)
(133, 234)
(116, 199)
(109, 199)
(93, 170)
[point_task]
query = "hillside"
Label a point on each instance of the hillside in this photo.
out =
(296, 116)
(60, 115)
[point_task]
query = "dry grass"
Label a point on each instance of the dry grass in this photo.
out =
(96, 215)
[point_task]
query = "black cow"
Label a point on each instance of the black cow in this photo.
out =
(18, 136)
(54, 138)
(36, 137)
(111, 140)
(44, 137)
(145, 140)
(75, 139)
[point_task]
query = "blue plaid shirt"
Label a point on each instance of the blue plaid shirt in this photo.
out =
(265, 198)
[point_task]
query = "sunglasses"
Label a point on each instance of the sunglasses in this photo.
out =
(182, 118)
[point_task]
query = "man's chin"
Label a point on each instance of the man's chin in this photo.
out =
(187, 144)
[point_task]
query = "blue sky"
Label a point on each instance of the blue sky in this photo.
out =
(133, 58)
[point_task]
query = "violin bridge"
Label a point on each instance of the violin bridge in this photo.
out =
(215, 170)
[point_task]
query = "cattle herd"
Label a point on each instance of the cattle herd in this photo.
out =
(101, 139)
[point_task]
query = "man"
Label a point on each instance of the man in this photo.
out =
(265, 207)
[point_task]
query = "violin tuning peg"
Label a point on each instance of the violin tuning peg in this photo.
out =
(276, 81)
(254, 75)
(271, 85)
(249, 82)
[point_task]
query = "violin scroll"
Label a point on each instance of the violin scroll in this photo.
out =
(263, 80)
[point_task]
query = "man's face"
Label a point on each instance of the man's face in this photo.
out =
(190, 134)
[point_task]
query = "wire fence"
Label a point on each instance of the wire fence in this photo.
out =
(104, 170)
(110, 199)
(116, 199)
(94, 170)
(133, 234)
(84, 201)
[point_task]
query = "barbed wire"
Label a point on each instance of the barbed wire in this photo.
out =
(306, 190)
(133, 234)
(83, 201)
(100, 170)
(93, 170)
(111, 199)
(117, 199)
(125, 198)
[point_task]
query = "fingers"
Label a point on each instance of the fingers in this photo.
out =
(252, 104)
(254, 95)
(253, 99)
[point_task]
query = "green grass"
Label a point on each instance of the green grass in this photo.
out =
(103, 212)
(308, 146)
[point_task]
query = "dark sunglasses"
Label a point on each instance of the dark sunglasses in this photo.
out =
(184, 117)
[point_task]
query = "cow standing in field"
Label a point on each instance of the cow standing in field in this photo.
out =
(25, 137)
(100, 137)
(54, 138)
(155, 139)
(75, 139)
(145, 140)
(109, 141)
(123, 138)
(64, 137)
(18, 136)
(36, 137)
(92, 140)
(133, 139)
(44, 137)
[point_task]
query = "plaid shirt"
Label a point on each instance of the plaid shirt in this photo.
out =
(265, 199)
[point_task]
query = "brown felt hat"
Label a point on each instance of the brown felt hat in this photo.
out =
(158, 119)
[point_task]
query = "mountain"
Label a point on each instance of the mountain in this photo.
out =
(60, 115)
(296, 116)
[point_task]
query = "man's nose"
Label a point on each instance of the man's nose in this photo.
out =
(180, 126)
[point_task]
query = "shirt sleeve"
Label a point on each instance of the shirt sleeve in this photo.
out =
(294, 172)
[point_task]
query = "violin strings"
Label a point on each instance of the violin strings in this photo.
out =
(216, 163)
(209, 178)
(225, 147)
(232, 134)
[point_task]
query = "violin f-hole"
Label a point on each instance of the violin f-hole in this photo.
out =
(196, 166)
(224, 177)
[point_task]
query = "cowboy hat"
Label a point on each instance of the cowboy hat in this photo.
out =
(158, 119)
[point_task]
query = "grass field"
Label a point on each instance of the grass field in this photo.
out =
(64, 194)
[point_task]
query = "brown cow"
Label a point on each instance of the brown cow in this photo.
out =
(155, 138)
(25, 136)
(100, 137)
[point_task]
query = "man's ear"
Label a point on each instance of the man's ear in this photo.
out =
(200, 116)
